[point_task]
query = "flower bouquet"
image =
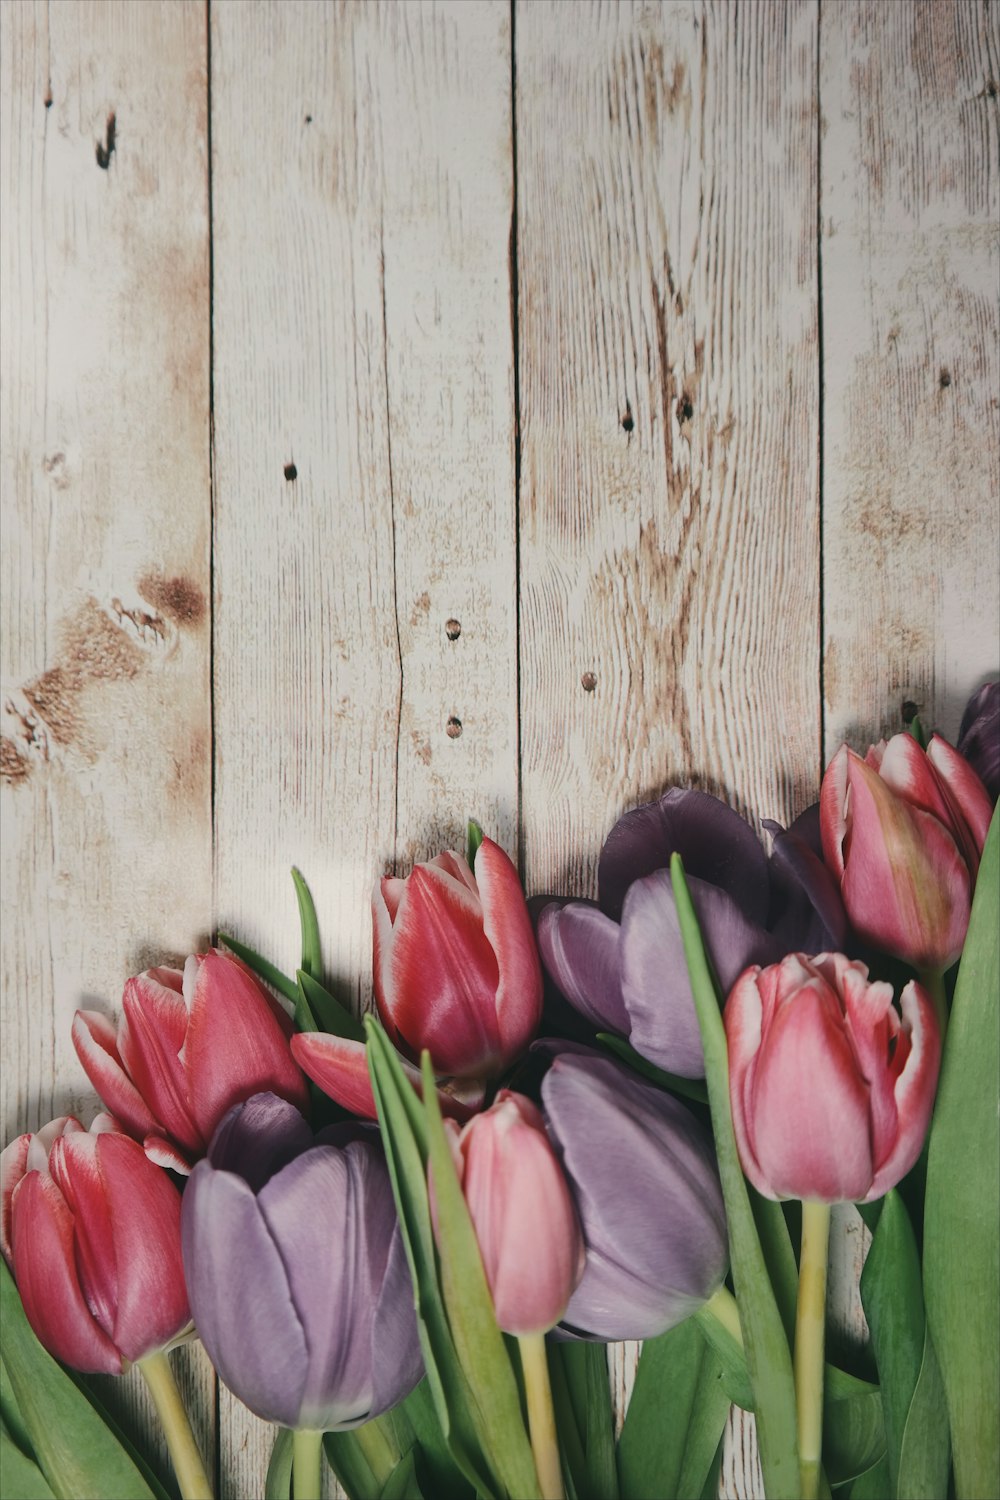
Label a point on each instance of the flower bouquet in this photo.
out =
(406, 1240)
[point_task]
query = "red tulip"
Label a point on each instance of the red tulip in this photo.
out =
(456, 967)
(831, 1090)
(189, 1046)
(91, 1232)
(339, 1066)
(903, 831)
(523, 1214)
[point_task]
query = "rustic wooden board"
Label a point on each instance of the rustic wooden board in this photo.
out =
(365, 626)
(669, 424)
(106, 753)
(910, 249)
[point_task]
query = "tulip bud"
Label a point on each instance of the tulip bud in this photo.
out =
(91, 1232)
(903, 831)
(521, 1209)
(831, 1090)
(643, 1175)
(188, 1047)
(296, 1269)
(456, 970)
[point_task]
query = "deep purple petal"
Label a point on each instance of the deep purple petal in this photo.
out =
(239, 1295)
(579, 948)
(807, 913)
(655, 985)
(714, 842)
(979, 736)
(643, 1176)
(259, 1137)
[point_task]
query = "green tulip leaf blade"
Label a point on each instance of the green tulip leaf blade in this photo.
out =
(74, 1447)
(267, 971)
(20, 1476)
(278, 1483)
(671, 1083)
(415, 1422)
(583, 1366)
(479, 1343)
(327, 1011)
(769, 1359)
(10, 1413)
(675, 1418)
(961, 1257)
(312, 958)
(402, 1483)
(404, 1136)
(473, 839)
(925, 1451)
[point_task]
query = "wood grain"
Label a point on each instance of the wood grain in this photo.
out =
(910, 264)
(105, 449)
(363, 336)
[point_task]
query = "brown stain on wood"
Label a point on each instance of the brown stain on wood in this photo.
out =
(177, 598)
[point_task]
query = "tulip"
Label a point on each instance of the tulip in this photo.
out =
(903, 831)
(621, 963)
(831, 1089)
(296, 1269)
(520, 1205)
(91, 1232)
(339, 1066)
(189, 1046)
(643, 1175)
(979, 736)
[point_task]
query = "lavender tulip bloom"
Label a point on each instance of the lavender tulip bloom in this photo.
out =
(296, 1270)
(621, 962)
(979, 736)
(642, 1173)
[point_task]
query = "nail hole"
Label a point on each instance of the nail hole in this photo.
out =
(627, 420)
(588, 681)
(991, 88)
(105, 150)
(291, 472)
(944, 378)
(452, 629)
(309, 119)
(47, 101)
(685, 411)
(909, 710)
(453, 728)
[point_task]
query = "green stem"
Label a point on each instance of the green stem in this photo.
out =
(933, 982)
(722, 1307)
(541, 1416)
(184, 1455)
(307, 1449)
(810, 1325)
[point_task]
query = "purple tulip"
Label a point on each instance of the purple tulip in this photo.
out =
(296, 1271)
(979, 736)
(643, 1175)
(621, 962)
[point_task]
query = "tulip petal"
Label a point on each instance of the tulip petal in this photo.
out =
(239, 1293)
(44, 1266)
(907, 769)
(444, 976)
(339, 1067)
(716, 845)
(965, 791)
(744, 1018)
(235, 1046)
(13, 1166)
(579, 947)
(397, 1362)
(833, 810)
(150, 1039)
(808, 1108)
(97, 1048)
(507, 926)
(165, 1154)
(915, 1089)
(258, 1138)
(979, 737)
(809, 915)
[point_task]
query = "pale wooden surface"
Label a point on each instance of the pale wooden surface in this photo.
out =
(741, 249)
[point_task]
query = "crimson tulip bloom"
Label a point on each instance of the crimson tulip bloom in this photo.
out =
(188, 1047)
(903, 831)
(831, 1090)
(523, 1214)
(91, 1232)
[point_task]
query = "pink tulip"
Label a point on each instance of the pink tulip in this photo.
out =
(523, 1214)
(831, 1090)
(189, 1046)
(91, 1232)
(903, 831)
(339, 1066)
(456, 967)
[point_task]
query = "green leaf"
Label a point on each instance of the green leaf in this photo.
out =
(585, 1370)
(925, 1452)
(874, 1483)
(74, 1448)
(473, 838)
(768, 1356)
(327, 1011)
(262, 966)
(312, 959)
(478, 1341)
(675, 1418)
(404, 1136)
(574, 1459)
(10, 1414)
(688, 1088)
(961, 1244)
(918, 732)
(20, 1476)
(415, 1421)
(278, 1484)
(402, 1483)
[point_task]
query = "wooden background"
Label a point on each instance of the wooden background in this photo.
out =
(415, 410)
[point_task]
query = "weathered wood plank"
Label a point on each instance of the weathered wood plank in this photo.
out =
(669, 420)
(363, 335)
(104, 435)
(910, 211)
